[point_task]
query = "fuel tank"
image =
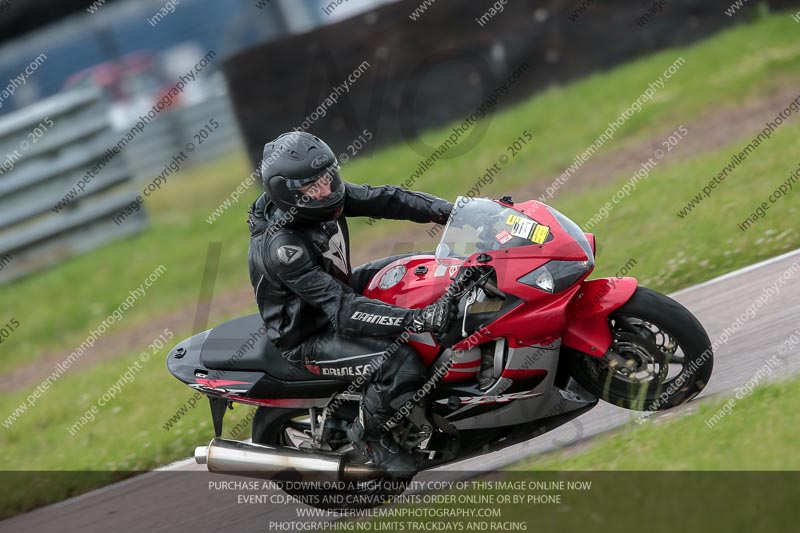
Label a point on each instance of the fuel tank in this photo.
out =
(412, 282)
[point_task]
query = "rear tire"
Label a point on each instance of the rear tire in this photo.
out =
(269, 428)
(649, 330)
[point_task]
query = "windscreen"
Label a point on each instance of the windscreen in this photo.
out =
(482, 225)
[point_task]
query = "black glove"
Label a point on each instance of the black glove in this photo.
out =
(440, 211)
(435, 318)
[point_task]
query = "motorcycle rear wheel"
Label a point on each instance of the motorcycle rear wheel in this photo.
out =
(270, 427)
(667, 348)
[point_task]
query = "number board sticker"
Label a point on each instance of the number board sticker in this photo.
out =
(522, 228)
(511, 220)
(504, 236)
(540, 234)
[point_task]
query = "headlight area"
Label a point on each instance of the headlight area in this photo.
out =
(556, 276)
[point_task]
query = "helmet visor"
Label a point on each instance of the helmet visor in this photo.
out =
(323, 190)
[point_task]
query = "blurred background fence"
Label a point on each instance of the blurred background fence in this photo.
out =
(50, 148)
(274, 63)
(147, 154)
(80, 74)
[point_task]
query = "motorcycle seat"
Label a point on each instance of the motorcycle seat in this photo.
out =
(241, 345)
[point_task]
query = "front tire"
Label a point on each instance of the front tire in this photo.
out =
(667, 351)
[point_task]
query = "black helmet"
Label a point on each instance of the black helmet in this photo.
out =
(301, 175)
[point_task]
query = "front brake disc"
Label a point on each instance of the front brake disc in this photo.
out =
(641, 350)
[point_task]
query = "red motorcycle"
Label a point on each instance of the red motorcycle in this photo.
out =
(536, 345)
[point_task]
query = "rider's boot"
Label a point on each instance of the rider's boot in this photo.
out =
(383, 450)
(387, 397)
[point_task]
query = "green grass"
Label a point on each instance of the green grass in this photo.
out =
(127, 434)
(674, 252)
(721, 72)
(670, 255)
(670, 252)
(677, 475)
(760, 433)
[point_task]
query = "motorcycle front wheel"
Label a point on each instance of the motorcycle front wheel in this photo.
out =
(665, 357)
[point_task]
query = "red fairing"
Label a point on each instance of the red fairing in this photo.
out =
(522, 375)
(592, 243)
(263, 402)
(412, 290)
(539, 318)
(587, 314)
(523, 302)
(579, 313)
(218, 383)
(420, 284)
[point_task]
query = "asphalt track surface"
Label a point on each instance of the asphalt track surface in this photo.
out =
(178, 497)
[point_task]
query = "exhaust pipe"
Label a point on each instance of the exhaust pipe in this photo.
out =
(233, 457)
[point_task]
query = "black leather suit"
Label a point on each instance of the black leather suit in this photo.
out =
(309, 297)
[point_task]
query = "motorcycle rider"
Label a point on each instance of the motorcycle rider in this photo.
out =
(309, 297)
